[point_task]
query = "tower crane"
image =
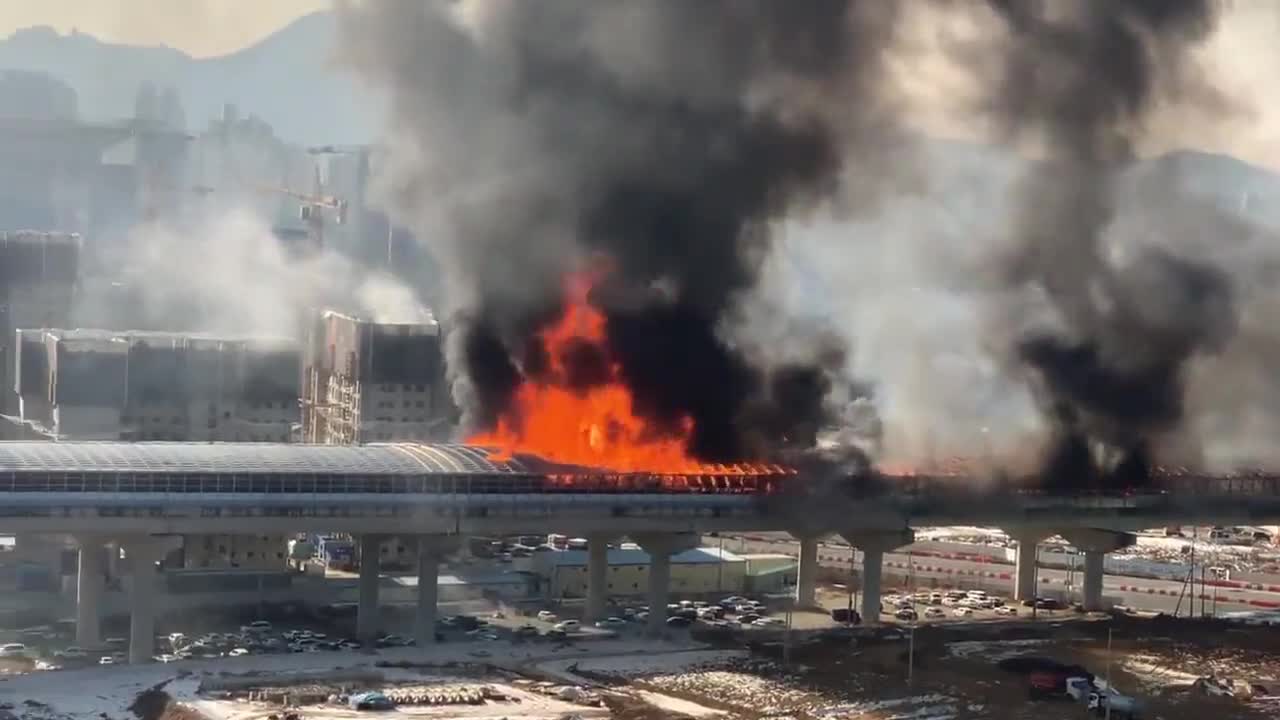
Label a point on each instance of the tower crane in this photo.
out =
(362, 154)
(312, 207)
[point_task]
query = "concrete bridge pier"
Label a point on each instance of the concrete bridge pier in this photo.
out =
(1095, 544)
(431, 549)
(660, 548)
(597, 577)
(873, 546)
(143, 553)
(90, 583)
(367, 598)
(807, 570)
(1024, 570)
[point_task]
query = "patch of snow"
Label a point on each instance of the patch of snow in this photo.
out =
(935, 707)
(83, 694)
(994, 650)
(630, 666)
(677, 705)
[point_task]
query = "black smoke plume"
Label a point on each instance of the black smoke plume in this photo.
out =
(1080, 79)
(665, 135)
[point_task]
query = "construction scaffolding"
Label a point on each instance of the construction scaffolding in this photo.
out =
(366, 381)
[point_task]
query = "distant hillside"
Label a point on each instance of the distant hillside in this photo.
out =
(286, 79)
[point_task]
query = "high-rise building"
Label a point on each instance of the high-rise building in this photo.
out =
(107, 385)
(38, 272)
(366, 381)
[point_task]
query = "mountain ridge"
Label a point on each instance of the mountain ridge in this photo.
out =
(286, 78)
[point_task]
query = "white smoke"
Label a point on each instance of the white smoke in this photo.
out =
(223, 270)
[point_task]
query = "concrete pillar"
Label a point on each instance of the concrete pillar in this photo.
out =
(660, 549)
(807, 572)
(90, 581)
(1025, 560)
(113, 560)
(873, 546)
(872, 569)
(659, 592)
(142, 554)
(1095, 544)
(1093, 562)
(367, 607)
(597, 578)
(424, 620)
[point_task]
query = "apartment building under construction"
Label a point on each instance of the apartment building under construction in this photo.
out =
(38, 275)
(365, 381)
(107, 385)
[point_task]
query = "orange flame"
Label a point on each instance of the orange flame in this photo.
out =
(597, 427)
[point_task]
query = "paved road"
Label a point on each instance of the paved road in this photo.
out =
(1143, 593)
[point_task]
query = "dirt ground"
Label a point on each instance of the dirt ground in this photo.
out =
(955, 676)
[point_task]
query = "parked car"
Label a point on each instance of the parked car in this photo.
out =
(678, 622)
(962, 612)
(748, 618)
(1122, 707)
(611, 622)
(905, 614)
(546, 616)
(1006, 610)
(769, 622)
(13, 650)
(935, 612)
(846, 615)
(568, 626)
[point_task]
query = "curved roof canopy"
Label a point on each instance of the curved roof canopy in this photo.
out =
(254, 458)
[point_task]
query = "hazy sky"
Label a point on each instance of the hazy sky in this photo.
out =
(199, 27)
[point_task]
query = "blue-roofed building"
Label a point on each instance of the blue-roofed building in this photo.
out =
(696, 572)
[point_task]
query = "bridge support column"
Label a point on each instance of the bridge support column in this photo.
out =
(367, 607)
(90, 581)
(143, 554)
(873, 547)
(1095, 544)
(597, 577)
(1093, 565)
(807, 571)
(1025, 561)
(660, 549)
(424, 619)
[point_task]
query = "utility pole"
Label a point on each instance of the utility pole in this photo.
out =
(720, 565)
(786, 643)
(911, 654)
(1110, 692)
(1035, 580)
(849, 617)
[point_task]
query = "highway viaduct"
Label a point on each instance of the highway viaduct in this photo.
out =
(141, 494)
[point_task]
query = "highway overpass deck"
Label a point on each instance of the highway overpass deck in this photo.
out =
(248, 487)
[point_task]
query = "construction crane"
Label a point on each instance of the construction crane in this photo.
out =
(362, 154)
(312, 208)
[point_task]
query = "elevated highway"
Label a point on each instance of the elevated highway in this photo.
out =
(138, 493)
(159, 488)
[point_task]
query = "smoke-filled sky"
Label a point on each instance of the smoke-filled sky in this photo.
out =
(761, 183)
(790, 233)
